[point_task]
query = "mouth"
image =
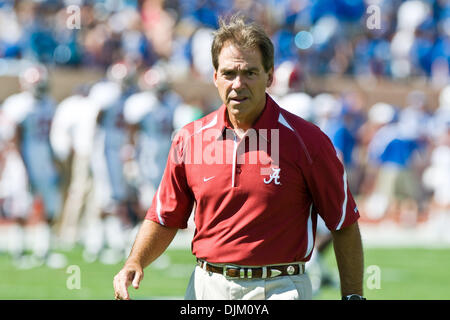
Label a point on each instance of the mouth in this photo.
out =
(238, 99)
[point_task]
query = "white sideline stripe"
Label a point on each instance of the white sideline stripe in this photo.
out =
(310, 233)
(283, 121)
(158, 208)
(344, 204)
(212, 123)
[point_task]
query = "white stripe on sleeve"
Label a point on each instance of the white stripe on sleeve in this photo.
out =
(344, 204)
(158, 207)
(310, 233)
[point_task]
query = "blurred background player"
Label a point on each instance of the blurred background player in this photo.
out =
(15, 198)
(396, 151)
(71, 136)
(289, 79)
(114, 196)
(32, 111)
(149, 114)
(342, 128)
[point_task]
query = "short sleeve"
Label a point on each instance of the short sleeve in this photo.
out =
(327, 180)
(173, 201)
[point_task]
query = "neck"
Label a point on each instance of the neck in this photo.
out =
(239, 125)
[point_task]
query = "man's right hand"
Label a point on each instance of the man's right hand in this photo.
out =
(151, 241)
(130, 274)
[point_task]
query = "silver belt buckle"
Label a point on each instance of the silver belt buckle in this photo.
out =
(225, 268)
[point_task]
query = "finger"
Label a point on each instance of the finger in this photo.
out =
(123, 295)
(123, 289)
(121, 284)
(137, 279)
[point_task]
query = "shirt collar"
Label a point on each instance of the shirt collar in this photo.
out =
(268, 119)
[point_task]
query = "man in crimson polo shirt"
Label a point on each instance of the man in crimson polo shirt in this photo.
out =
(258, 176)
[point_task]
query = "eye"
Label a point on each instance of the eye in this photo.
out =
(228, 74)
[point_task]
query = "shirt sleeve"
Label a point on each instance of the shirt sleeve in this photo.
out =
(327, 180)
(173, 201)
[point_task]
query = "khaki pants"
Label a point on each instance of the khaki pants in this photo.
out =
(80, 184)
(205, 285)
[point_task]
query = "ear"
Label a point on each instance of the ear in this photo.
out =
(215, 78)
(270, 77)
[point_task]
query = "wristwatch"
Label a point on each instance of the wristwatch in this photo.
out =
(353, 297)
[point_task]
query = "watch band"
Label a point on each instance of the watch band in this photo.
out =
(353, 297)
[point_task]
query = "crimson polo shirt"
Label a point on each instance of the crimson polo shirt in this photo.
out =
(247, 211)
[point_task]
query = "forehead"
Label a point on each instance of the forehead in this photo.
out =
(233, 56)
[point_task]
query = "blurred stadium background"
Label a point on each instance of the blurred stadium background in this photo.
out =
(92, 91)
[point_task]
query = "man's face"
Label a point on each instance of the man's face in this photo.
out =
(242, 81)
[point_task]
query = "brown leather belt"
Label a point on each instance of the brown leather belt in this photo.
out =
(240, 272)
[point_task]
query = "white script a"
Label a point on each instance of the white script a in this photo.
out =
(275, 176)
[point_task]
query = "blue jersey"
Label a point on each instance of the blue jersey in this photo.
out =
(399, 152)
(345, 142)
(342, 138)
(390, 146)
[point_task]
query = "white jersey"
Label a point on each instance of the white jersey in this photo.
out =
(7, 129)
(110, 100)
(155, 129)
(298, 103)
(16, 199)
(73, 127)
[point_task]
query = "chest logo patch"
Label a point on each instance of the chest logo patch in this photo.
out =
(274, 176)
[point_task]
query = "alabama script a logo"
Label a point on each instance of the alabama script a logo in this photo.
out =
(274, 176)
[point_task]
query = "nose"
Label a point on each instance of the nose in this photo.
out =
(237, 82)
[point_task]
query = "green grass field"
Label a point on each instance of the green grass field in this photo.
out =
(406, 273)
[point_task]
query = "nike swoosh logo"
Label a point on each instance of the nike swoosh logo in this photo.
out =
(207, 179)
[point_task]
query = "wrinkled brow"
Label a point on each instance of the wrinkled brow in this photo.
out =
(245, 69)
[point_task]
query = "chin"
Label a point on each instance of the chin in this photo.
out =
(237, 109)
